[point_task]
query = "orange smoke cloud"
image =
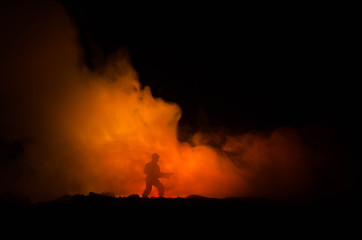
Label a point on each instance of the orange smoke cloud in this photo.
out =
(91, 131)
(113, 127)
(274, 164)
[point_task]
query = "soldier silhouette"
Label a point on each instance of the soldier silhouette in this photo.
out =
(152, 170)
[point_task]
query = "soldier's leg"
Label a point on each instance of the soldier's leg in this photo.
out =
(160, 187)
(147, 190)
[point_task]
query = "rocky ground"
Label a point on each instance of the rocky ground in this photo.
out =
(182, 214)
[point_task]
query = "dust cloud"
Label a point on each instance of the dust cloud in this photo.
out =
(65, 129)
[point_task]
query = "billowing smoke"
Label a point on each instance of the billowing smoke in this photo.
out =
(65, 129)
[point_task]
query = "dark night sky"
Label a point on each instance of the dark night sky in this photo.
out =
(240, 67)
(236, 66)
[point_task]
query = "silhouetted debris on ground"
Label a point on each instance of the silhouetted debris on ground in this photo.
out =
(179, 217)
(192, 210)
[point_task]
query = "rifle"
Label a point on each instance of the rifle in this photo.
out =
(166, 175)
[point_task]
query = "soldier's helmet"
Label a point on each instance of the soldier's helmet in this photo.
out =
(155, 156)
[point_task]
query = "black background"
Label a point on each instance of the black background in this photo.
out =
(237, 66)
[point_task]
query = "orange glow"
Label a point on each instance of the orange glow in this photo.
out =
(83, 131)
(116, 126)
